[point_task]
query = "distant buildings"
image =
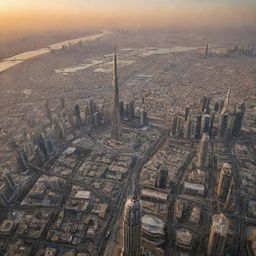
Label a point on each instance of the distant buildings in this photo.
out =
(218, 121)
(206, 49)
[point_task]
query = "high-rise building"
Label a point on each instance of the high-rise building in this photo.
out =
(225, 182)
(174, 125)
(187, 110)
(251, 243)
(211, 123)
(226, 103)
(221, 105)
(187, 127)
(40, 141)
(216, 107)
(48, 110)
(132, 226)
(162, 178)
(205, 123)
(97, 118)
(12, 144)
(62, 101)
(206, 106)
(116, 123)
(239, 114)
(203, 103)
(22, 160)
(58, 130)
(223, 124)
(131, 111)
(70, 118)
(193, 129)
(3, 200)
(203, 152)
(218, 235)
(40, 157)
(198, 125)
(9, 181)
(143, 117)
(206, 49)
(78, 115)
(9, 184)
(121, 109)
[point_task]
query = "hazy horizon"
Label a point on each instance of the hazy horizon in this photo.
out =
(29, 15)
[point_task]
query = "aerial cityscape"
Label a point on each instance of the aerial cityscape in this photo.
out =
(128, 140)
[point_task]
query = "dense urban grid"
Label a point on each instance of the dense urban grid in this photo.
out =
(139, 168)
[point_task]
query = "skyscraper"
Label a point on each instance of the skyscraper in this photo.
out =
(205, 123)
(187, 110)
(206, 49)
(218, 235)
(198, 125)
(239, 114)
(223, 124)
(143, 117)
(226, 103)
(162, 178)
(132, 226)
(48, 110)
(174, 125)
(9, 184)
(78, 115)
(187, 127)
(203, 153)
(116, 124)
(22, 160)
(225, 182)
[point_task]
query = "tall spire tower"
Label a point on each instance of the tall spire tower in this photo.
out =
(116, 124)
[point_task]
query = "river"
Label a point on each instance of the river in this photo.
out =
(19, 58)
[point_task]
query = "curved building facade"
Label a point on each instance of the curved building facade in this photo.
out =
(132, 227)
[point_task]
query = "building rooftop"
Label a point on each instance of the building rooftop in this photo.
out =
(153, 224)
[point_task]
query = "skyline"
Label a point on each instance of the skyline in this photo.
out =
(31, 15)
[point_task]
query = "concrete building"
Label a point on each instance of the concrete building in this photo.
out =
(206, 49)
(78, 115)
(187, 127)
(143, 117)
(153, 229)
(198, 125)
(162, 178)
(223, 124)
(238, 119)
(205, 123)
(203, 152)
(226, 102)
(218, 235)
(132, 226)
(251, 243)
(225, 182)
(187, 111)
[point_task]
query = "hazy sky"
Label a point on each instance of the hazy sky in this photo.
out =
(28, 14)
